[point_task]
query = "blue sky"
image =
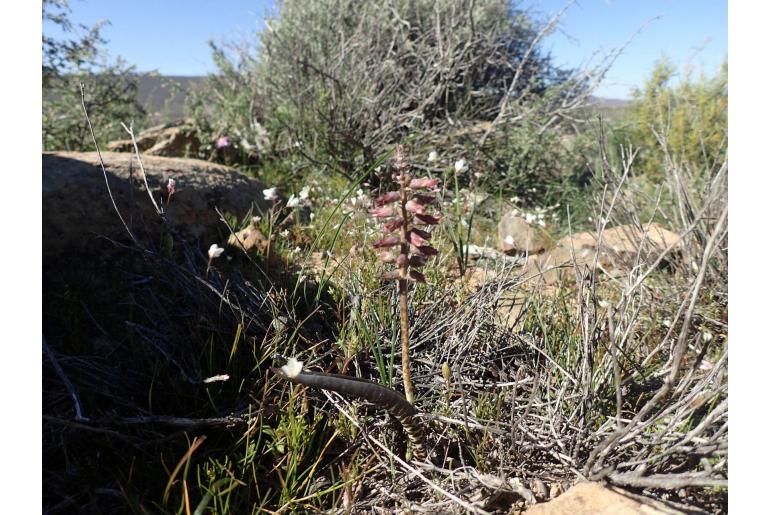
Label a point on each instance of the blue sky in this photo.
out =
(171, 36)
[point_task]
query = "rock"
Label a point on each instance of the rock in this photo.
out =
(619, 249)
(517, 236)
(250, 238)
(77, 208)
(175, 139)
(596, 499)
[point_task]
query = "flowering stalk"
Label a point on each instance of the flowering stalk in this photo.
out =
(410, 210)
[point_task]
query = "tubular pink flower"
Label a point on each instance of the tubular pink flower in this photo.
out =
(387, 198)
(387, 257)
(388, 241)
(392, 225)
(428, 219)
(423, 183)
(422, 234)
(425, 200)
(426, 250)
(417, 260)
(389, 275)
(402, 260)
(414, 207)
(416, 276)
(415, 239)
(382, 212)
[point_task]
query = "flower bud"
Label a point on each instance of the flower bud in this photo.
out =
(422, 183)
(427, 219)
(388, 241)
(415, 207)
(382, 212)
(387, 198)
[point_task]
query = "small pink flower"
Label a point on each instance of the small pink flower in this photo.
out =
(402, 260)
(387, 257)
(417, 260)
(223, 142)
(392, 225)
(423, 183)
(387, 198)
(428, 219)
(415, 239)
(427, 250)
(382, 212)
(415, 207)
(416, 276)
(171, 187)
(425, 200)
(388, 241)
(389, 275)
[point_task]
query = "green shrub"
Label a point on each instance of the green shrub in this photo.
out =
(684, 123)
(337, 83)
(111, 88)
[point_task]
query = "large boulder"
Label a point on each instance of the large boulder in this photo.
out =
(596, 499)
(516, 235)
(618, 248)
(77, 207)
(176, 139)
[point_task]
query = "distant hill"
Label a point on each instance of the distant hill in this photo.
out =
(164, 96)
(164, 104)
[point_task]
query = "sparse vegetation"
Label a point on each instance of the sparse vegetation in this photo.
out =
(158, 391)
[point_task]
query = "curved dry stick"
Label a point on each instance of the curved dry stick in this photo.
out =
(382, 396)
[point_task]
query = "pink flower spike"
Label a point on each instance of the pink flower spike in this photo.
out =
(392, 225)
(427, 250)
(423, 183)
(382, 212)
(402, 260)
(417, 260)
(416, 276)
(415, 207)
(415, 239)
(388, 241)
(388, 198)
(428, 219)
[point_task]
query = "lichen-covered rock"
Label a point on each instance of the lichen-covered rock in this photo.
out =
(77, 207)
(619, 248)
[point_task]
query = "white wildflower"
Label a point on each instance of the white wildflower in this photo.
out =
(214, 379)
(255, 219)
(433, 157)
(215, 251)
(304, 193)
(461, 166)
(292, 368)
(270, 193)
(292, 202)
(285, 233)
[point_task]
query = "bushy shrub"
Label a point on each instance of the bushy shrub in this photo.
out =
(338, 82)
(111, 87)
(685, 123)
